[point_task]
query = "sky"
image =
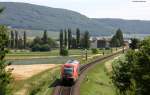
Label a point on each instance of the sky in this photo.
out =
(124, 9)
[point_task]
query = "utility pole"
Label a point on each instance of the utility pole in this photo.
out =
(86, 57)
(82, 55)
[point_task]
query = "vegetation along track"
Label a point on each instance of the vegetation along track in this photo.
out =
(74, 89)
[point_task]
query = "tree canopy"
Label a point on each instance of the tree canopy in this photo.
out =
(132, 75)
(117, 39)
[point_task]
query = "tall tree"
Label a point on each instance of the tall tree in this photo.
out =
(86, 43)
(45, 37)
(78, 37)
(69, 38)
(12, 40)
(119, 36)
(16, 39)
(20, 43)
(134, 43)
(61, 41)
(5, 76)
(65, 39)
(74, 43)
(117, 39)
(24, 39)
(2, 9)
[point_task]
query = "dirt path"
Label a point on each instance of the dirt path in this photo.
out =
(22, 72)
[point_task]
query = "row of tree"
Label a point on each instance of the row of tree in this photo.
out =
(69, 41)
(17, 41)
(44, 43)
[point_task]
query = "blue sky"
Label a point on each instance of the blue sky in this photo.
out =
(125, 9)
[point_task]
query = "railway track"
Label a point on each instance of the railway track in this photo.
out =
(74, 89)
(65, 91)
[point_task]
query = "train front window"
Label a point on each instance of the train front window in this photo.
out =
(68, 71)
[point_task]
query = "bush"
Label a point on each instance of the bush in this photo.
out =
(45, 47)
(64, 52)
(36, 47)
(95, 51)
(132, 76)
(107, 48)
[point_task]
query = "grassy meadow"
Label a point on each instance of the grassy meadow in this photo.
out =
(98, 81)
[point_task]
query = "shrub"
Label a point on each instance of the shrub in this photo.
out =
(64, 52)
(45, 47)
(95, 51)
(36, 47)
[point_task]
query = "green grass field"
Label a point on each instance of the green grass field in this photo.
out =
(38, 54)
(52, 57)
(97, 82)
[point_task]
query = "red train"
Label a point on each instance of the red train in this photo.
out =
(70, 71)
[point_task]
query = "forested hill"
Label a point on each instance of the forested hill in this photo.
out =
(29, 16)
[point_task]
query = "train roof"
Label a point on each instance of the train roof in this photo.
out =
(72, 62)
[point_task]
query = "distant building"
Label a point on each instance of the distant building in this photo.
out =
(100, 42)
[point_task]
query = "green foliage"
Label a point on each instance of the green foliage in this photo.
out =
(36, 47)
(69, 38)
(134, 43)
(85, 40)
(2, 9)
(117, 39)
(43, 44)
(64, 52)
(44, 38)
(45, 47)
(16, 39)
(12, 40)
(20, 43)
(95, 51)
(74, 43)
(132, 76)
(25, 39)
(5, 76)
(78, 37)
(65, 39)
(121, 76)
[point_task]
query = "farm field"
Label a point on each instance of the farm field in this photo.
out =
(22, 72)
(26, 58)
(32, 55)
(36, 83)
(98, 79)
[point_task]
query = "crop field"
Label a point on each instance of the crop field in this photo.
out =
(22, 58)
(52, 60)
(32, 55)
(36, 84)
